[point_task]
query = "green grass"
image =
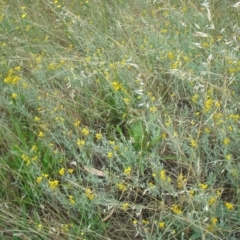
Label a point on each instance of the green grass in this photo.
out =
(119, 119)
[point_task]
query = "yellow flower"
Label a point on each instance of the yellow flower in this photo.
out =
(85, 131)
(98, 136)
(207, 105)
(40, 226)
(161, 225)
(153, 109)
(145, 221)
(214, 221)
(116, 86)
(39, 179)
(80, 142)
(194, 98)
(121, 187)
(228, 157)
(191, 193)
(176, 209)
(164, 136)
(162, 175)
(193, 143)
(89, 194)
(40, 134)
(181, 181)
(14, 96)
(170, 55)
(110, 155)
(77, 123)
(226, 141)
(203, 186)
(126, 100)
(134, 222)
(229, 206)
(212, 200)
(125, 206)
(127, 171)
(61, 171)
(71, 200)
(53, 184)
(70, 170)
(207, 130)
(26, 159)
(34, 148)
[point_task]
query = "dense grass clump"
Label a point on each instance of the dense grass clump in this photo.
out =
(119, 119)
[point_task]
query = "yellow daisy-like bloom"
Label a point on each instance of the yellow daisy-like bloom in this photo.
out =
(40, 134)
(61, 171)
(89, 194)
(176, 209)
(161, 225)
(85, 131)
(162, 175)
(212, 200)
(226, 141)
(77, 123)
(121, 187)
(127, 171)
(53, 184)
(214, 221)
(80, 143)
(39, 179)
(153, 109)
(110, 155)
(98, 136)
(71, 200)
(14, 96)
(229, 206)
(203, 186)
(193, 143)
(125, 206)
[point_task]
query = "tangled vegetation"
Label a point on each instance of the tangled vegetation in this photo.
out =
(119, 119)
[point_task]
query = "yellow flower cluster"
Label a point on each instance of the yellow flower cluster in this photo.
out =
(13, 76)
(229, 206)
(121, 187)
(176, 209)
(117, 86)
(28, 159)
(53, 184)
(161, 225)
(85, 131)
(127, 171)
(98, 136)
(203, 186)
(207, 105)
(61, 171)
(40, 178)
(181, 181)
(110, 155)
(125, 206)
(89, 194)
(212, 224)
(211, 201)
(71, 200)
(80, 142)
(162, 175)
